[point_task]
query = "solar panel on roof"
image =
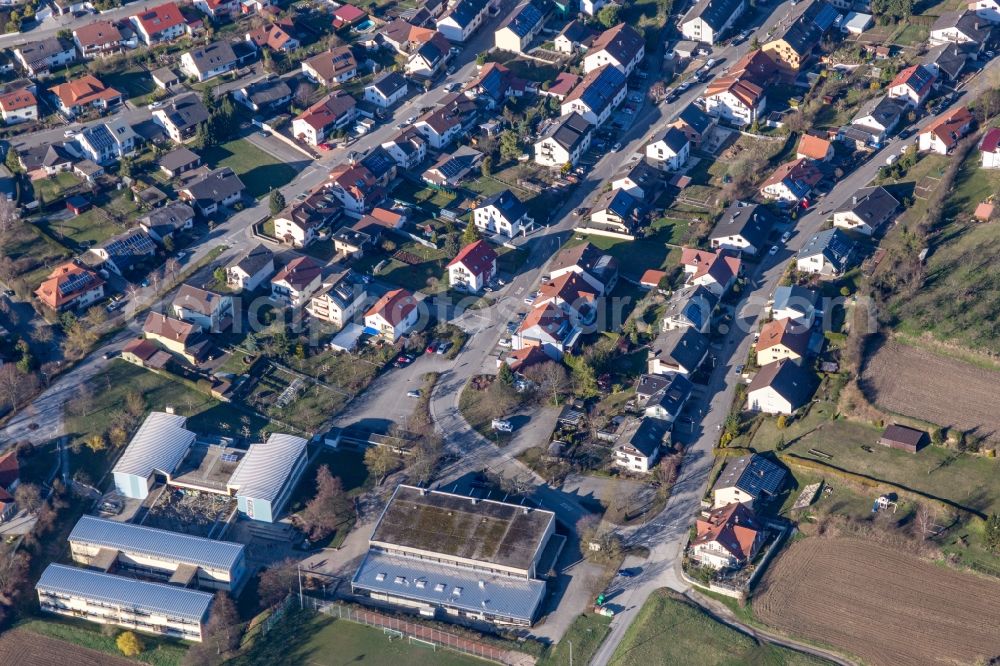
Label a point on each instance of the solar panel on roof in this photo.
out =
(73, 283)
(229, 457)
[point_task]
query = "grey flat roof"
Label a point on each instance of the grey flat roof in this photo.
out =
(265, 467)
(507, 596)
(458, 526)
(160, 444)
(128, 592)
(182, 548)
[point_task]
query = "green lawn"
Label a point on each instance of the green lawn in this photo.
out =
(92, 227)
(258, 170)
(911, 35)
(586, 635)
(671, 631)
(427, 275)
(159, 651)
(320, 640)
(636, 257)
(49, 189)
(136, 83)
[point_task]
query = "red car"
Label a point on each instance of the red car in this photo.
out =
(323, 146)
(431, 348)
(404, 359)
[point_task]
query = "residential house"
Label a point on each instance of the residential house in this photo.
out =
(331, 67)
(641, 181)
(299, 224)
(387, 90)
(462, 19)
(669, 150)
(548, 327)
(622, 47)
(45, 160)
(178, 337)
(404, 37)
(217, 10)
(912, 85)
(877, 118)
(649, 385)
(274, 37)
(355, 187)
(252, 269)
(319, 121)
(162, 223)
(82, 94)
(751, 480)
(338, 300)
(354, 242)
(780, 388)
(207, 62)
(18, 106)
(408, 148)
(218, 188)
(181, 116)
(815, 148)
(743, 227)
(70, 286)
(799, 304)
(159, 24)
(591, 7)
(942, 135)
(827, 253)
(727, 537)
(695, 124)
(503, 214)
(265, 97)
(617, 212)
(393, 315)
(989, 149)
(107, 142)
(178, 161)
(562, 86)
(947, 61)
(473, 267)
(429, 58)
(495, 85)
(668, 402)
(442, 125)
(792, 182)
(679, 350)
(740, 96)
(716, 271)
(690, 307)
(100, 38)
(960, 28)
(598, 269)
(986, 9)
(120, 253)
(297, 281)
(520, 28)
(347, 15)
(708, 20)
(563, 141)
(37, 59)
(573, 38)
(868, 211)
(782, 339)
(792, 46)
(597, 95)
(451, 169)
(637, 447)
(208, 310)
(571, 293)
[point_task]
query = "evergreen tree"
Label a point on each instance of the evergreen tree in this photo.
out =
(277, 202)
(471, 234)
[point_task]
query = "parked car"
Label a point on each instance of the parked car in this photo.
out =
(502, 426)
(505, 343)
(431, 348)
(443, 347)
(69, 133)
(773, 250)
(785, 236)
(415, 393)
(615, 148)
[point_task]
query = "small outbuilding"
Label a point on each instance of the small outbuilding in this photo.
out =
(77, 204)
(903, 438)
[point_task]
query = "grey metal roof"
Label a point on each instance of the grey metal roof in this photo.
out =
(131, 538)
(452, 586)
(160, 444)
(128, 592)
(265, 467)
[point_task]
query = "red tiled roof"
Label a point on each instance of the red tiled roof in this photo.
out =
(394, 307)
(157, 19)
(349, 14)
(299, 273)
(477, 257)
(801, 169)
(82, 91)
(733, 526)
(16, 100)
(564, 83)
(10, 469)
(784, 332)
(167, 327)
(813, 147)
(951, 127)
(991, 141)
(652, 277)
(569, 288)
(721, 266)
(51, 291)
(521, 359)
(97, 33)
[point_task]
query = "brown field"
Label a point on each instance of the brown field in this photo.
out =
(26, 648)
(944, 391)
(879, 603)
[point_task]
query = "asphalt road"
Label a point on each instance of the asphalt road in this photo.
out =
(53, 25)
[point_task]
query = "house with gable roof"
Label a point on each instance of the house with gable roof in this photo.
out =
(473, 267)
(727, 537)
(621, 46)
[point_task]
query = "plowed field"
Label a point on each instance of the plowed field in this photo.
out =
(945, 391)
(26, 648)
(880, 604)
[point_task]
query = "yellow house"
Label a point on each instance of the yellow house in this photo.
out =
(175, 335)
(782, 339)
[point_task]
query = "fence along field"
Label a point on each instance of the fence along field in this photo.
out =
(944, 391)
(880, 604)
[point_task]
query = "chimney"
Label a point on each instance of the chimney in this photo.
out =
(855, 198)
(482, 585)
